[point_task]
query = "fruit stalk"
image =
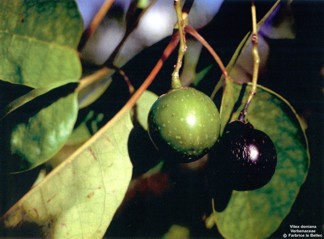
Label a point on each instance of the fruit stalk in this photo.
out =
(256, 62)
(181, 23)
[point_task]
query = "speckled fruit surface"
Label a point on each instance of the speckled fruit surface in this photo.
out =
(184, 124)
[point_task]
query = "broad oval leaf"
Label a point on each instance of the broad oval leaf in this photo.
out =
(36, 130)
(258, 213)
(143, 107)
(38, 41)
(48, 21)
(80, 196)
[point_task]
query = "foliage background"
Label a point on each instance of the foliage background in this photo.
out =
(295, 70)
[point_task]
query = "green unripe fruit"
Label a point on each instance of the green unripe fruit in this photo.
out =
(184, 124)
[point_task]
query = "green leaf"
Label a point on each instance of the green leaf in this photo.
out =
(228, 102)
(143, 107)
(48, 21)
(145, 157)
(25, 98)
(78, 199)
(38, 41)
(258, 213)
(191, 59)
(90, 125)
(177, 232)
(92, 92)
(9, 93)
(81, 133)
(36, 130)
(200, 75)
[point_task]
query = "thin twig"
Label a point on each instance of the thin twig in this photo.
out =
(109, 68)
(255, 52)
(256, 62)
(90, 79)
(95, 23)
(131, 25)
(181, 22)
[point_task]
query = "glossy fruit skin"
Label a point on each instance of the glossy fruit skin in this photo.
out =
(251, 155)
(183, 124)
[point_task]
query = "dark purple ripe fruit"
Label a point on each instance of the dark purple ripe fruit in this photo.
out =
(183, 124)
(251, 154)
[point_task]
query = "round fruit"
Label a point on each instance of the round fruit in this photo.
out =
(251, 153)
(183, 124)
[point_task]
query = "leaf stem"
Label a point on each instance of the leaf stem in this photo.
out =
(181, 23)
(91, 79)
(100, 74)
(256, 62)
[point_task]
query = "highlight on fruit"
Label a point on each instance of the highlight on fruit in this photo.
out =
(251, 156)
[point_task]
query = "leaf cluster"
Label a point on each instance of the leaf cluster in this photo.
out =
(84, 132)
